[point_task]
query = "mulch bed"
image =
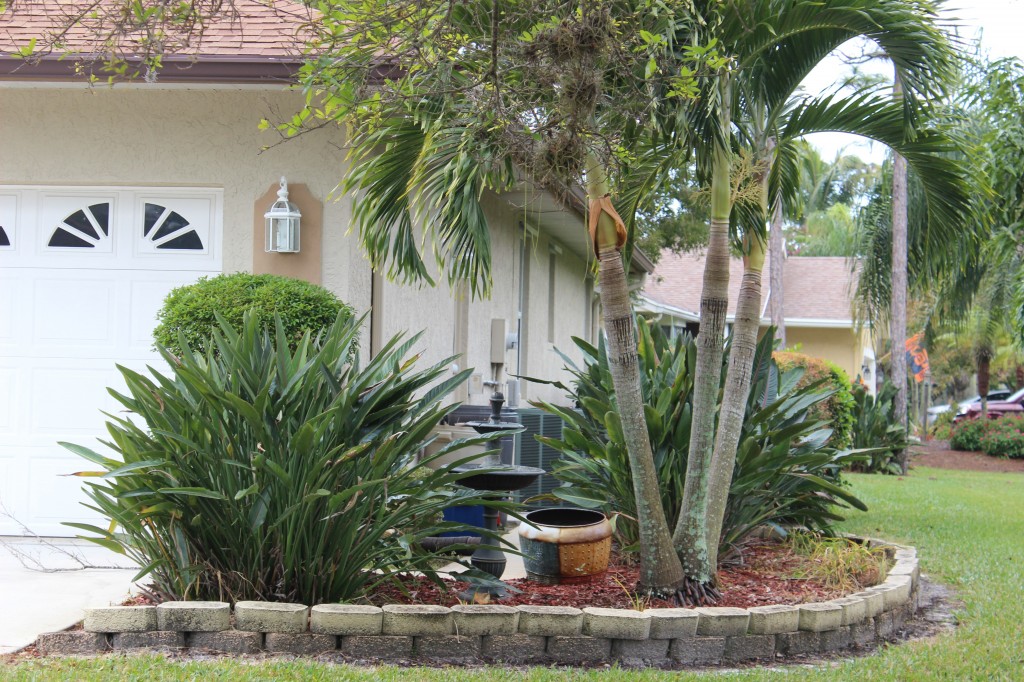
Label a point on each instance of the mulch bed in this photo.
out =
(936, 453)
(764, 574)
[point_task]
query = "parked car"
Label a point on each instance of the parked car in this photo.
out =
(996, 408)
(964, 405)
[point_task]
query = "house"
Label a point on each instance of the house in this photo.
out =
(112, 196)
(818, 305)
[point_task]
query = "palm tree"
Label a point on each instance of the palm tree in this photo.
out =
(771, 62)
(898, 304)
(823, 201)
(551, 99)
(974, 277)
(419, 149)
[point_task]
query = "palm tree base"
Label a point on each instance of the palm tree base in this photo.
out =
(697, 593)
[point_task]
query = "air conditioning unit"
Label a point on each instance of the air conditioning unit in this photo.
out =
(530, 452)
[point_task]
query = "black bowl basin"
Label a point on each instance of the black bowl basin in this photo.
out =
(505, 478)
(485, 427)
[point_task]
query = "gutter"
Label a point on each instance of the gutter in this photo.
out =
(248, 70)
(652, 306)
(819, 322)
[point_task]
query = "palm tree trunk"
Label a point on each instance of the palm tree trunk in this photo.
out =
(741, 363)
(984, 379)
(898, 307)
(777, 250)
(737, 389)
(690, 537)
(661, 573)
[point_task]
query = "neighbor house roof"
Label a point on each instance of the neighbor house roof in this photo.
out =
(260, 40)
(818, 290)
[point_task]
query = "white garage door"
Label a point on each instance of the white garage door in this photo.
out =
(82, 273)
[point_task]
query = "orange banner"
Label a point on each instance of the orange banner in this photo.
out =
(917, 357)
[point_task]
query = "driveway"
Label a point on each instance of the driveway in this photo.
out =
(44, 587)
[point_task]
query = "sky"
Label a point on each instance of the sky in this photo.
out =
(999, 24)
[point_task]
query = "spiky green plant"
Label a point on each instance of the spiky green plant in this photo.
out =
(876, 427)
(258, 472)
(785, 473)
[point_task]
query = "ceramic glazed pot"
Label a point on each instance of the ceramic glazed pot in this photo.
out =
(565, 545)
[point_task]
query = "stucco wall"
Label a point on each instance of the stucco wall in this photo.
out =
(564, 308)
(210, 138)
(434, 311)
(180, 137)
(841, 346)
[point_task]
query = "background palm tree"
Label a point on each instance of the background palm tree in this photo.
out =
(972, 282)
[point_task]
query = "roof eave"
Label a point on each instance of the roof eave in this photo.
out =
(247, 70)
(816, 322)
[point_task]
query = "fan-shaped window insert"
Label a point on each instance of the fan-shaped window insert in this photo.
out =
(167, 229)
(4, 239)
(85, 228)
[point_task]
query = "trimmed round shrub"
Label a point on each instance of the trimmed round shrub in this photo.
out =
(840, 410)
(190, 309)
(966, 435)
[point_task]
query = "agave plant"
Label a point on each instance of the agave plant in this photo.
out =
(259, 472)
(785, 473)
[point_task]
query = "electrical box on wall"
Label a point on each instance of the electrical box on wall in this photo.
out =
(499, 334)
(512, 393)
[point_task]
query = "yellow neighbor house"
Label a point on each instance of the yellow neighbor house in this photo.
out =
(818, 306)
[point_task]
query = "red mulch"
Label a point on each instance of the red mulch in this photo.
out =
(765, 576)
(936, 453)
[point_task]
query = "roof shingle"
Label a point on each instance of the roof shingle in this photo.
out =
(818, 288)
(270, 30)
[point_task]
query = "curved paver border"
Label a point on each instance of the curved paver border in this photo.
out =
(525, 634)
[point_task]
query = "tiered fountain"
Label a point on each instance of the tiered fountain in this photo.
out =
(498, 478)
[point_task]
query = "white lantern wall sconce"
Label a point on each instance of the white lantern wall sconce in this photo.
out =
(283, 223)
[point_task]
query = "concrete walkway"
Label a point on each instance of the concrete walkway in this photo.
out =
(44, 589)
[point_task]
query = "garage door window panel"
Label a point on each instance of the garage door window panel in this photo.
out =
(169, 230)
(84, 228)
(170, 224)
(8, 219)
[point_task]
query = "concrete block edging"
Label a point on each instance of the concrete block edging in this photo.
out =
(525, 634)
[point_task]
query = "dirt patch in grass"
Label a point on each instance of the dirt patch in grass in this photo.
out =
(765, 572)
(936, 453)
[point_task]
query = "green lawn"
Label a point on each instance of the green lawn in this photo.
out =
(969, 531)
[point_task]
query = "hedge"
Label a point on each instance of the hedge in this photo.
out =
(1001, 437)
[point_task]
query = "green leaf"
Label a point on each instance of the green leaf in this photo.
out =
(193, 492)
(134, 466)
(247, 491)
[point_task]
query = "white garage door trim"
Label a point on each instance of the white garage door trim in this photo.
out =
(82, 273)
